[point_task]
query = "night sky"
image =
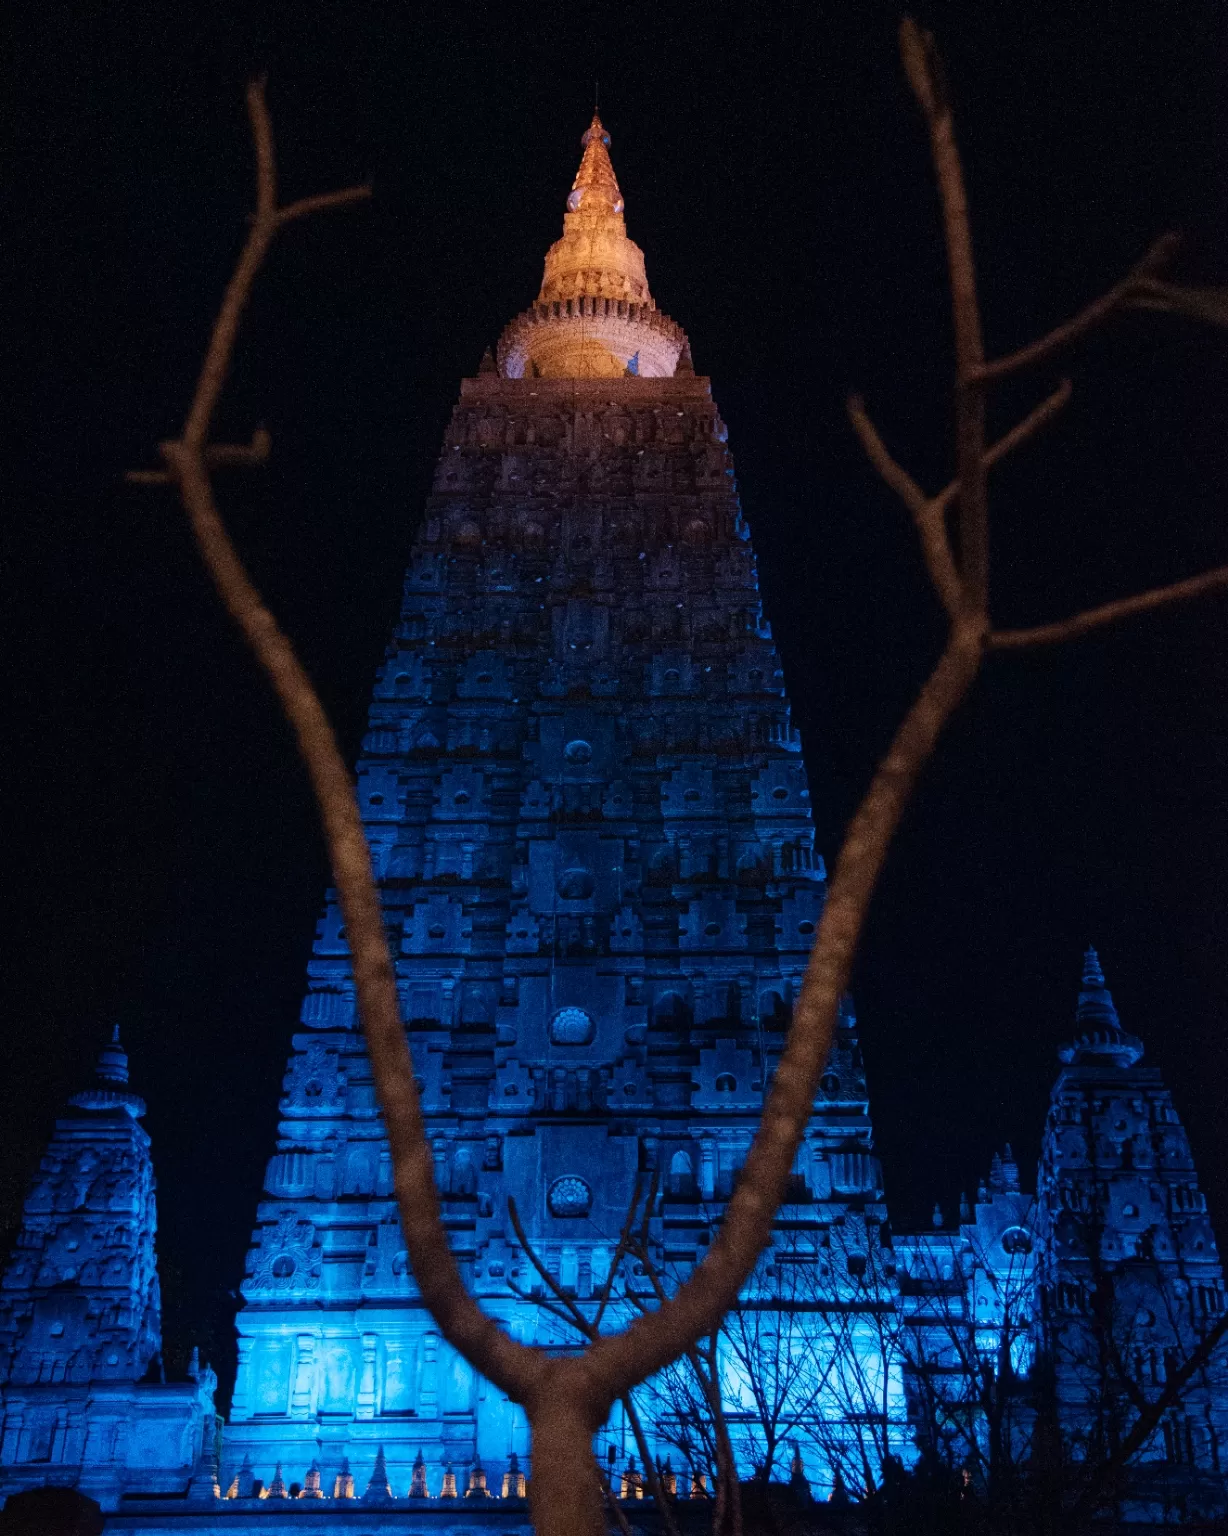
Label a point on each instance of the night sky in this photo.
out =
(163, 867)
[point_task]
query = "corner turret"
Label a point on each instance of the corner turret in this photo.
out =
(81, 1316)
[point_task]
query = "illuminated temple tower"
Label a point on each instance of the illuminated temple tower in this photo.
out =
(591, 827)
(83, 1400)
(1130, 1275)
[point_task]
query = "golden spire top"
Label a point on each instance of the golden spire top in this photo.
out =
(595, 186)
(595, 259)
(594, 316)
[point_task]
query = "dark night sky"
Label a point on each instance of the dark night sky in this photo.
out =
(163, 865)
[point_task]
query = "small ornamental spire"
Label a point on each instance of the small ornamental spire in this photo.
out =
(595, 188)
(379, 1487)
(343, 1483)
(113, 1060)
(448, 1491)
(839, 1493)
(513, 1479)
(311, 1483)
(109, 1090)
(277, 1488)
(477, 1488)
(797, 1473)
(1098, 1032)
(1096, 1007)
(417, 1486)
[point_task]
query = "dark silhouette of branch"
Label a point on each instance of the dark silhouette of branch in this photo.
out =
(590, 1328)
(1135, 283)
(727, 1506)
(217, 456)
(1148, 1421)
(1109, 613)
(924, 71)
(927, 514)
(1209, 305)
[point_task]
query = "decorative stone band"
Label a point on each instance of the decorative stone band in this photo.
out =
(590, 338)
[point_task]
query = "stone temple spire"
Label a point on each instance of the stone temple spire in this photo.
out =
(594, 316)
(1099, 1029)
(595, 184)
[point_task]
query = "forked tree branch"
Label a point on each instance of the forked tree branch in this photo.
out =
(1099, 1486)
(928, 514)
(567, 1399)
(1109, 613)
(1128, 291)
(189, 460)
(590, 1328)
(923, 68)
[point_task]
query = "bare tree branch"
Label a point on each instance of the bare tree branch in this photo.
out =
(1210, 305)
(509, 1364)
(305, 206)
(1145, 1426)
(1099, 310)
(924, 70)
(1108, 613)
(590, 1329)
(567, 1399)
(927, 514)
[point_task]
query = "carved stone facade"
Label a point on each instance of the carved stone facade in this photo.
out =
(599, 877)
(1129, 1268)
(80, 1316)
(590, 824)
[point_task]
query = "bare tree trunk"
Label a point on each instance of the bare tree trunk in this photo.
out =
(568, 1399)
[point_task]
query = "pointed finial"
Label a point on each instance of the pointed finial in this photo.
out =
(343, 1483)
(513, 1478)
(277, 1488)
(1095, 1000)
(417, 1486)
(839, 1493)
(937, 1217)
(1099, 1032)
(595, 188)
(311, 1483)
(113, 1060)
(797, 1472)
(379, 1486)
(488, 364)
(686, 366)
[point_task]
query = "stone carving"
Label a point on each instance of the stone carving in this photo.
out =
(315, 1083)
(288, 1260)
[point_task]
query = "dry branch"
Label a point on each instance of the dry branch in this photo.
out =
(1109, 613)
(567, 1399)
(1134, 284)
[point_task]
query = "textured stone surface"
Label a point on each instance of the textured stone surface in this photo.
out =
(80, 1315)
